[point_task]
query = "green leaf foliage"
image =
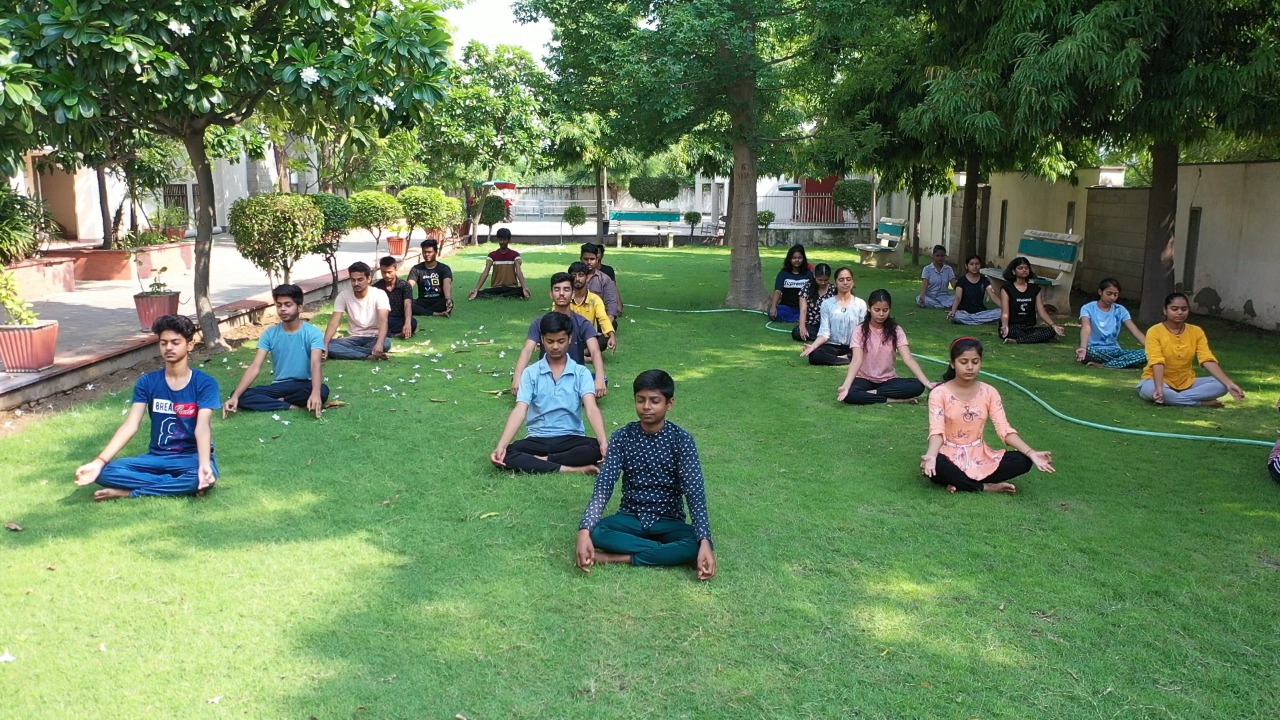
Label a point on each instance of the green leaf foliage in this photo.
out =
(18, 240)
(272, 231)
(428, 208)
(765, 218)
(653, 190)
(494, 211)
(575, 215)
(337, 215)
(374, 210)
(853, 195)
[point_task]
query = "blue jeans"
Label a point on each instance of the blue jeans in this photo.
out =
(666, 542)
(155, 474)
(280, 395)
(355, 348)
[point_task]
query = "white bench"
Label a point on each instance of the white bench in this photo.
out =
(889, 235)
(1053, 257)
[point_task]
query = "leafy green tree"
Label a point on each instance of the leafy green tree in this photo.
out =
(854, 196)
(177, 70)
(494, 211)
(692, 219)
(428, 208)
(494, 116)
(337, 214)
(653, 190)
(582, 139)
(765, 218)
(373, 210)
(574, 215)
(273, 231)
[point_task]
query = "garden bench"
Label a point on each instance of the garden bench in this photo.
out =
(1054, 257)
(889, 235)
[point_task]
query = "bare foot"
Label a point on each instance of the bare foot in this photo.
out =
(1093, 364)
(951, 488)
(905, 401)
(1010, 341)
(1211, 403)
(604, 557)
(110, 494)
(588, 469)
(1000, 487)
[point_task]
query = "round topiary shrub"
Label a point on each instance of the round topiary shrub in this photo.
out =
(853, 195)
(374, 210)
(692, 218)
(575, 215)
(765, 218)
(653, 190)
(337, 214)
(273, 231)
(493, 211)
(428, 208)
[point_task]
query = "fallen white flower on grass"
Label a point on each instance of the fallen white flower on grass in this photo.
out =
(124, 411)
(415, 367)
(481, 327)
(90, 386)
(275, 417)
(284, 422)
(632, 319)
(434, 360)
(386, 387)
(261, 440)
(502, 353)
(19, 412)
(215, 700)
(7, 656)
(8, 424)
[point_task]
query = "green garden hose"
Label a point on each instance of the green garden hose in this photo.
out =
(1052, 410)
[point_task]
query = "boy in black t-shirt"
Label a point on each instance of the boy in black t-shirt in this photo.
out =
(400, 320)
(434, 281)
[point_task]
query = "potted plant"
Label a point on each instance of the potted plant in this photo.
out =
(398, 241)
(172, 220)
(26, 343)
(155, 300)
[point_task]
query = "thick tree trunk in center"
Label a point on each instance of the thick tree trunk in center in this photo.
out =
(203, 171)
(1162, 207)
(969, 210)
(104, 207)
(746, 288)
(282, 167)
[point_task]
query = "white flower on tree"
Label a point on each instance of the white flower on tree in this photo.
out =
(309, 75)
(178, 28)
(384, 101)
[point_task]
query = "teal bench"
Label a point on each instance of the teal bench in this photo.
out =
(669, 216)
(888, 245)
(1054, 257)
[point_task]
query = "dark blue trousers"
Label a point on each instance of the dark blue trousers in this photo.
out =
(155, 474)
(666, 542)
(280, 395)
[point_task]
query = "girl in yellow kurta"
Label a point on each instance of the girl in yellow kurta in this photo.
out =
(1169, 378)
(958, 457)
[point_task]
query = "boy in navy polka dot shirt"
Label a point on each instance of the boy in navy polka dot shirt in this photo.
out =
(659, 467)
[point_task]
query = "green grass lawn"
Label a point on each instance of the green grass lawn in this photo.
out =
(374, 565)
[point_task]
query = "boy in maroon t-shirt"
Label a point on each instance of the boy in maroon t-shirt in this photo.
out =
(508, 277)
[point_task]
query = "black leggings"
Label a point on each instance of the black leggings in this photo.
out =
(1013, 464)
(1031, 334)
(892, 389)
(571, 450)
(830, 354)
(795, 333)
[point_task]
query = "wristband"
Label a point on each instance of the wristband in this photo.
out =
(102, 460)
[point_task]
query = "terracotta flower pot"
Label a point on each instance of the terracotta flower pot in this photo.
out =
(28, 348)
(397, 245)
(154, 305)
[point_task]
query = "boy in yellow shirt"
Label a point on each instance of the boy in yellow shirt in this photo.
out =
(590, 306)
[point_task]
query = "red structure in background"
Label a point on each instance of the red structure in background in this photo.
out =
(813, 203)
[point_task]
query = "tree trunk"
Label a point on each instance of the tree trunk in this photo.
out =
(728, 213)
(600, 203)
(203, 172)
(104, 207)
(746, 288)
(969, 210)
(1162, 207)
(874, 224)
(282, 167)
(915, 228)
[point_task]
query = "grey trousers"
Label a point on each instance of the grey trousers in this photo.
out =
(978, 318)
(1204, 388)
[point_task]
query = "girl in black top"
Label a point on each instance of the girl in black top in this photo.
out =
(1020, 304)
(795, 274)
(969, 307)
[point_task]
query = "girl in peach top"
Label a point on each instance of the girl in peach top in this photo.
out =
(958, 457)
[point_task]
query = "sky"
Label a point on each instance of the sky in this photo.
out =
(492, 23)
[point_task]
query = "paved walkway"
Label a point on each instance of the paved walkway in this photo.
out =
(100, 316)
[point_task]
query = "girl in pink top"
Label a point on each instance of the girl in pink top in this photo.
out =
(878, 339)
(959, 406)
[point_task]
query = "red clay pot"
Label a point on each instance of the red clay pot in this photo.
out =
(397, 245)
(28, 348)
(154, 305)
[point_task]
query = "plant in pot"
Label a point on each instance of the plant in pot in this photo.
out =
(398, 240)
(373, 210)
(27, 344)
(155, 300)
(172, 220)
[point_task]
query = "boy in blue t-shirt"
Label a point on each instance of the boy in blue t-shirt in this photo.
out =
(296, 347)
(181, 402)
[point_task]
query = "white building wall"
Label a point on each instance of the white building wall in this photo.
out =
(1238, 251)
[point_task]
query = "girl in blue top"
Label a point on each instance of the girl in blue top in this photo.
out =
(1100, 324)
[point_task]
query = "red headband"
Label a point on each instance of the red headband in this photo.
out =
(966, 337)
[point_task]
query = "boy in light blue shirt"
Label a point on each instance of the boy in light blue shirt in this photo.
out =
(552, 395)
(296, 347)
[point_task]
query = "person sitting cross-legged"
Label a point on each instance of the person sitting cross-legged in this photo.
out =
(180, 402)
(584, 342)
(600, 283)
(434, 281)
(658, 464)
(508, 274)
(400, 319)
(296, 347)
(367, 309)
(554, 393)
(590, 306)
